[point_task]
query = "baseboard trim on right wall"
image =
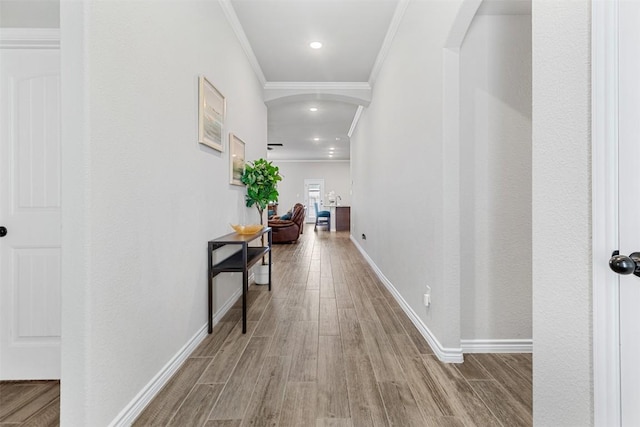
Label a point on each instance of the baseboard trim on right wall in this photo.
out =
(497, 346)
(447, 355)
(444, 354)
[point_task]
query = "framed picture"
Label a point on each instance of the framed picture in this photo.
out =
(236, 159)
(211, 111)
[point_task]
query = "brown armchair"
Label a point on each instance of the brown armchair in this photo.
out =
(288, 231)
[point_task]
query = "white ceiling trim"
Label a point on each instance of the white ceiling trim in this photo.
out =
(308, 161)
(29, 38)
(388, 39)
(356, 118)
(357, 93)
(234, 22)
(317, 85)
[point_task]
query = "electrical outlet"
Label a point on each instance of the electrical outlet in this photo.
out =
(427, 297)
(426, 300)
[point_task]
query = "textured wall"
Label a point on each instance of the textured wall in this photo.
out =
(562, 376)
(495, 178)
(142, 197)
(397, 168)
(336, 175)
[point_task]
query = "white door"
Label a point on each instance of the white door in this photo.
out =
(30, 212)
(313, 193)
(629, 206)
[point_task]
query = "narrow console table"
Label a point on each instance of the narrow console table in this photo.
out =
(239, 262)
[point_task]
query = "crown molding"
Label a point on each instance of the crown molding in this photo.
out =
(388, 39)
(307, 161)
(317, 86)
(357, 93)
(29, 38)
(355, 120)
(234, 22)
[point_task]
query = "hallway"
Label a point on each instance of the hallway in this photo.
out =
(329, 346)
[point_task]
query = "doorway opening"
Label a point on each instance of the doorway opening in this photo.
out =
(313, 193)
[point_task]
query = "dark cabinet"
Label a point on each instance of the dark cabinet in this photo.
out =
(343, 218)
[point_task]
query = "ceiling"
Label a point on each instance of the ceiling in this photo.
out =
(351, 32)
(276, 36)
(311, 135)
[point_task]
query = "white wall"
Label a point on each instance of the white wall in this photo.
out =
(562, 375)
(141, 196)
(336, 175)
(495, 178)
(29, 14)
(397, 168)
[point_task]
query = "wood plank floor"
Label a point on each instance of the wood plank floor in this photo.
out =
(29, 403)
(329, 346)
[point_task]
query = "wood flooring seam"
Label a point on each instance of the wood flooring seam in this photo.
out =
(484, 402)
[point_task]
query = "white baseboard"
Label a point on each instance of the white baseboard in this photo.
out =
(449, 355)
(444, 354)
(497, 346)
(128, 415)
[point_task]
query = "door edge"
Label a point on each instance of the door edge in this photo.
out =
(605, 285)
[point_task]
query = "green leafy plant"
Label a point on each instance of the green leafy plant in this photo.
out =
(261, 179)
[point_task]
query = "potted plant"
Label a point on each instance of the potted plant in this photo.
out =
(261, 179)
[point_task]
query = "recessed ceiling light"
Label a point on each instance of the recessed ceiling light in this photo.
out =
(330, 155)
(314, 109)
(316, 139)
(337, 139)
(315, 45)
